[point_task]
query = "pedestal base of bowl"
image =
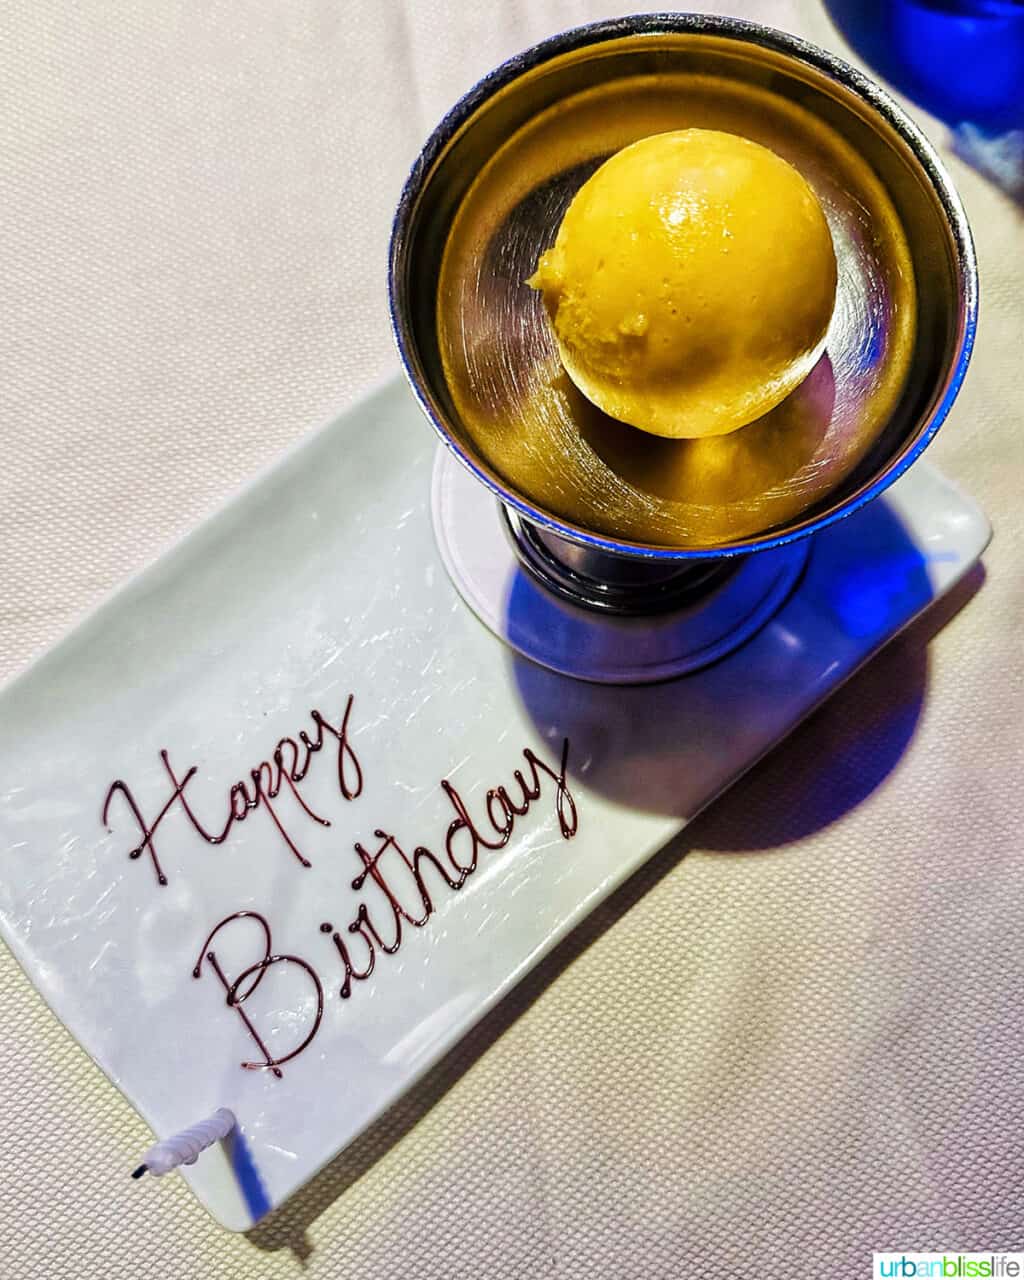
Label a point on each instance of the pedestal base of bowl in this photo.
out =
(867, 576)
(520, 595)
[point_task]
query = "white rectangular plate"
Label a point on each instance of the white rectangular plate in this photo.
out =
(319, 584)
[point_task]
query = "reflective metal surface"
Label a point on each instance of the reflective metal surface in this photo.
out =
(592, 578)
(487, 195)
(531, 424)
(588, 628)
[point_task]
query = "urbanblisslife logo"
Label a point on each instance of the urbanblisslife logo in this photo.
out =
(948, 1266)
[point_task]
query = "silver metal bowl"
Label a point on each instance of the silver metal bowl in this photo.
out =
(897, 350)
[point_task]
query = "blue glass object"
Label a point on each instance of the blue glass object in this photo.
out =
(962, 60)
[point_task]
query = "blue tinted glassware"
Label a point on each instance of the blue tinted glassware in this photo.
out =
(962, 60)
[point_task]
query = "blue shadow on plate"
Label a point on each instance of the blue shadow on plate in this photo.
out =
(246, 1174)
(670, 748)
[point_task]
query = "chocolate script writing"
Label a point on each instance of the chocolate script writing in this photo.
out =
(236, 996)
(397, 887)
(403, 896)
(287, 767)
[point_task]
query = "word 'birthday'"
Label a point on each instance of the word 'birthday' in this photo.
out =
(397, 880)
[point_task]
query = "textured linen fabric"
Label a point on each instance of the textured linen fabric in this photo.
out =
(797, 1035)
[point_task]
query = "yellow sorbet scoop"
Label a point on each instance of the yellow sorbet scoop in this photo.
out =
(691, 283)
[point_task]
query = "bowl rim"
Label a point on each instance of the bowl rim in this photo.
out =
(744, 32)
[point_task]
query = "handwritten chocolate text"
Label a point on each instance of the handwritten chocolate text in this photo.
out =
(287, 767)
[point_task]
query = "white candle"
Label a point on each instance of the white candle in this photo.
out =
(185, 1147)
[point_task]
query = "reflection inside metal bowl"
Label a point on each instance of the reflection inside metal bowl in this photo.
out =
(518, 411)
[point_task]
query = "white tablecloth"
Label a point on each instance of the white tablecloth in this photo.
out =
(826, 1057)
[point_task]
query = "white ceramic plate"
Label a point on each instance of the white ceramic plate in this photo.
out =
(319, 584)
